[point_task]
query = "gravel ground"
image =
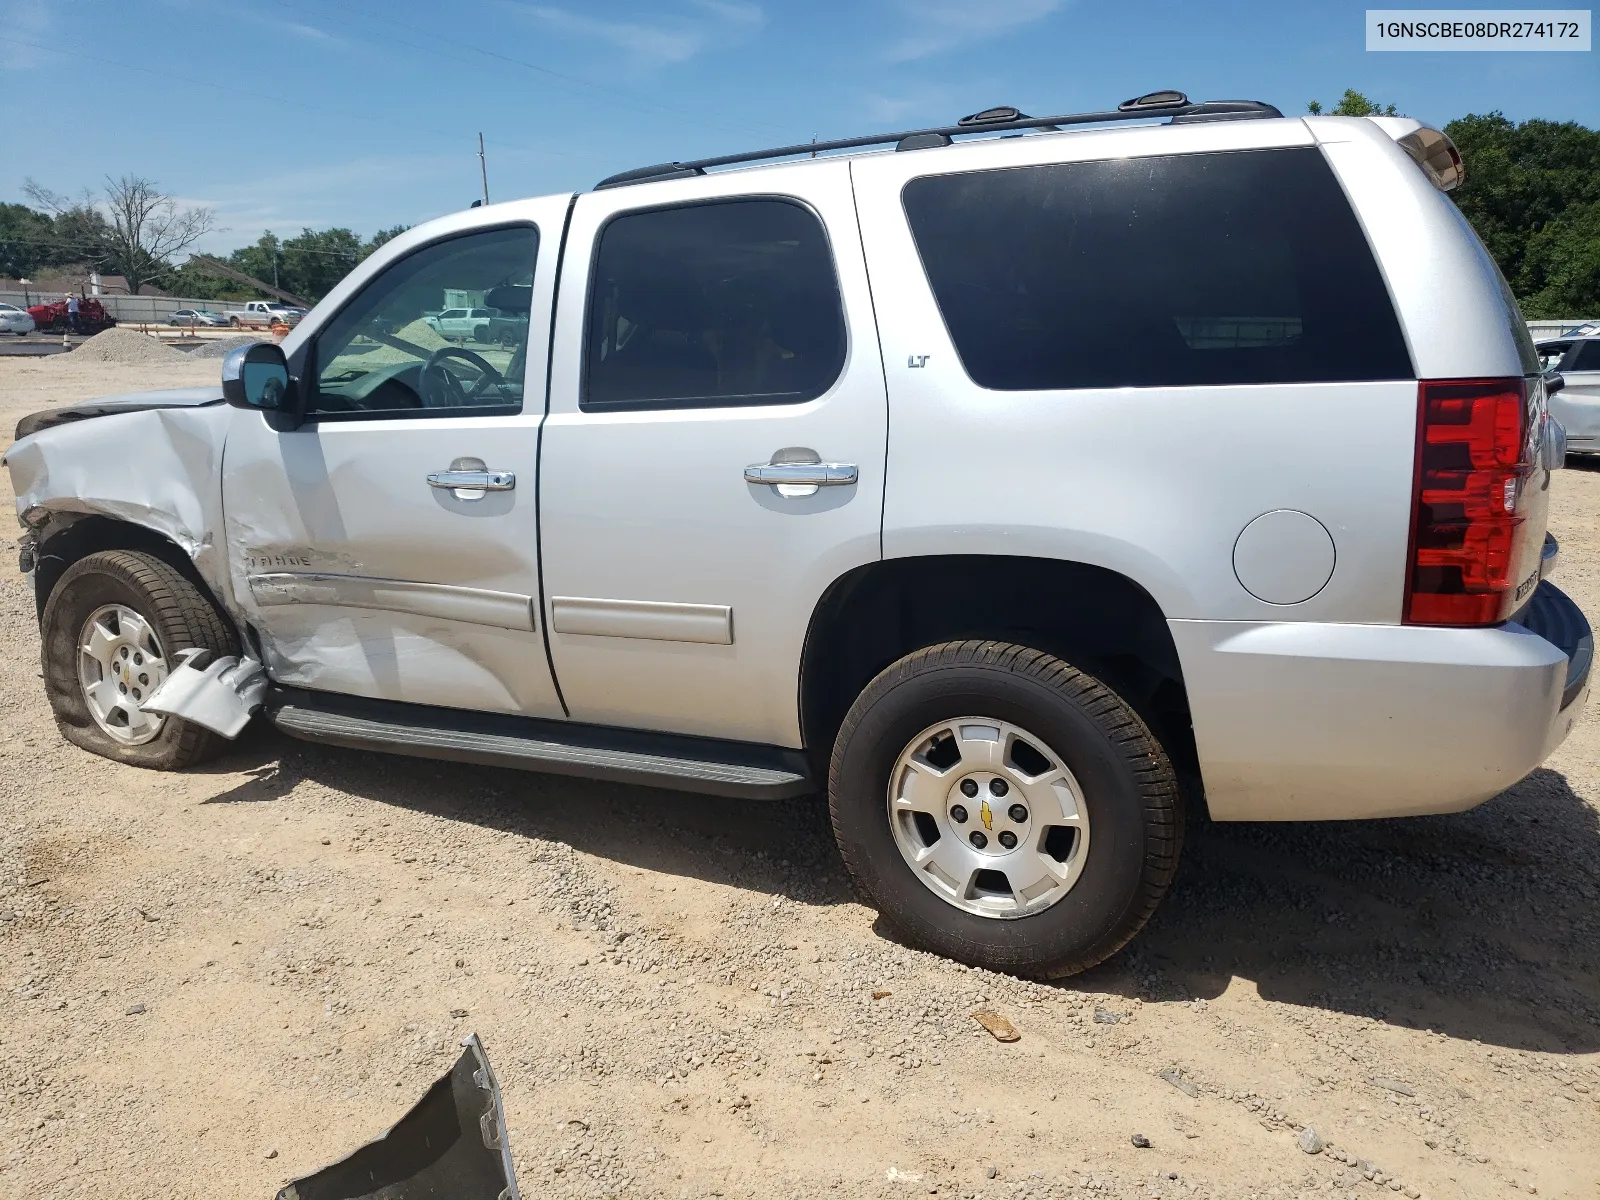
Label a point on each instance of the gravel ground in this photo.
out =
(215, 981)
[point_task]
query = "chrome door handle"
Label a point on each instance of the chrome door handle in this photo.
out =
(472, 485)
(812, 475)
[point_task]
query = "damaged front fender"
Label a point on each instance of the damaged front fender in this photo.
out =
(158, 467)
(451, 1146)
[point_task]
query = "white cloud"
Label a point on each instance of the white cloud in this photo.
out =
(644, 41)
(321, 196)
(295, 29)
(939, 25)
(748, 15)
(28, 19)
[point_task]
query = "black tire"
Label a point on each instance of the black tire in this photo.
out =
(480, 334)
(1130, 791)
(180, 614)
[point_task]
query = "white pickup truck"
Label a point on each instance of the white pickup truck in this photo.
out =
(262, 314)
(1013, 492)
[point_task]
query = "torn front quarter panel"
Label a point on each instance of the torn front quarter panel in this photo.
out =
(153, 460)
(451, 1146)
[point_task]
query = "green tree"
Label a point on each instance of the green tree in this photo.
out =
(261, 260)
(194, 283)
(1561, 266)
(1522, 179)
(1353, 104)
(316, 260)
(27, 240)
(385, 235)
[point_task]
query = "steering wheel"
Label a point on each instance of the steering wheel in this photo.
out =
(441, 388)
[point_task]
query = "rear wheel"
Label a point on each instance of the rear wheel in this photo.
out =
(112, 631)
(1003, 808)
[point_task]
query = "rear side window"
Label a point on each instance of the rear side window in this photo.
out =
(1239, 267)
(729, 303)
(1585, 357)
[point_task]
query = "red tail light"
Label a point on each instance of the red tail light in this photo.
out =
(1467, 527)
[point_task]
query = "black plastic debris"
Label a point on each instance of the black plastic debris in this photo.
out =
(450, 1146)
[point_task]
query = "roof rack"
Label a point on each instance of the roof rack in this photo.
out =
(1174, 105)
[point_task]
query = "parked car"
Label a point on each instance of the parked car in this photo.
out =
(831, 476)
(1577, 404)
(202, 318)
(485, 326)
(15, 320)
(1584, 330)
(262, 314)
(1551, 351)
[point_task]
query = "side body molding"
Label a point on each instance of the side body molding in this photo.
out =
(449, 602)
(654, 620)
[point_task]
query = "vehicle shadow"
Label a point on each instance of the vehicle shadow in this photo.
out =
(1481, 925)
(779, 848)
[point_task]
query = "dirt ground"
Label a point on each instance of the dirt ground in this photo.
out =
(213, 982)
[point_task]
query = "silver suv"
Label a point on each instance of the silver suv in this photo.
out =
(1010, 481)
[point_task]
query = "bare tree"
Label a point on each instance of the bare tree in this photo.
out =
(143, 227)
(148, 228)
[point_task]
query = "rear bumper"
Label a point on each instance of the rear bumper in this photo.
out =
(1321, 722)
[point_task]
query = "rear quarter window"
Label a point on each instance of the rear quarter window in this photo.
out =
(1227, 268)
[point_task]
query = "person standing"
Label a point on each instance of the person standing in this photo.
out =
(72, 314)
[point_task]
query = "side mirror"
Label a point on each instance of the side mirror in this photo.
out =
(1553, 383)
(256, 376)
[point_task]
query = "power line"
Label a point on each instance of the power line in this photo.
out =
(87, 246)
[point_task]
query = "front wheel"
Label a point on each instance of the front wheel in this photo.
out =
(112, 630)
(1001, 807)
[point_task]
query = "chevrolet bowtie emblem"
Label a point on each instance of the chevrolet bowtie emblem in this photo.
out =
(988, 817)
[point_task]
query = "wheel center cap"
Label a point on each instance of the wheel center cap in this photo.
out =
(986, 811)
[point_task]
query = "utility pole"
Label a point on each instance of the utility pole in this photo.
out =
(483, 166)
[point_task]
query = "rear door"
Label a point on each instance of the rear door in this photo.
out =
(389, 546)
(712, 333)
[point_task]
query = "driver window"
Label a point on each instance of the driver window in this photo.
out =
(442, 332)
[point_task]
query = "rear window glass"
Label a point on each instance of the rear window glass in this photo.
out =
(1239, 267)
(728, 303)
(1585, 357)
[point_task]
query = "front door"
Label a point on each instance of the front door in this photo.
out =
(1577, 406)
(713, 458)
(388, 547)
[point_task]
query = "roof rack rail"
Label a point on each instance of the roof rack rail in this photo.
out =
(1171, 104)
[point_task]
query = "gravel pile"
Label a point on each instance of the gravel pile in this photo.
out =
(220, 347)
(122, 345)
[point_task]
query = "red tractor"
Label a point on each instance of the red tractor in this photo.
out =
(52, 318)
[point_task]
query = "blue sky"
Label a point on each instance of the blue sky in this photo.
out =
(289, 113)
